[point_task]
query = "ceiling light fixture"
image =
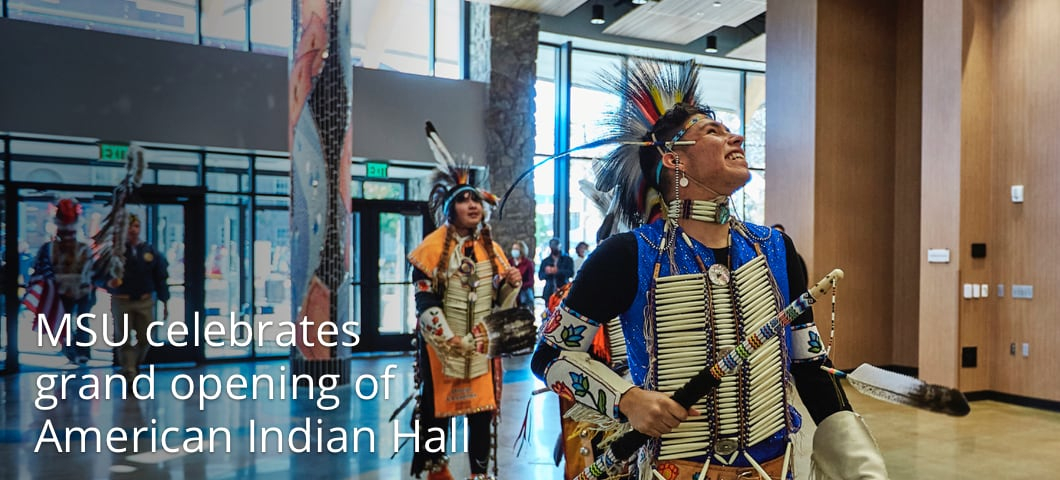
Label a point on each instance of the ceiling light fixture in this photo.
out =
(717, 3)
(712, 44)
(598, 15)
(640, 2)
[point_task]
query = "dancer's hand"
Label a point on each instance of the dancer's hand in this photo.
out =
(652, 413)
(513, 277)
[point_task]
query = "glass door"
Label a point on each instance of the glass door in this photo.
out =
(384, 232)
(162, 225)
(272, 275)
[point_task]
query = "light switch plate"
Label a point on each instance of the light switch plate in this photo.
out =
(1017, 194)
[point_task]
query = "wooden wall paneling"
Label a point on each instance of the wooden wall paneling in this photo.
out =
(855, 171)
(790, 124)
(938, 353)
(907, 139)
(977, 215)
(1026, 148)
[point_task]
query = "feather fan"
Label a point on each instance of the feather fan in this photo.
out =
(109, 241)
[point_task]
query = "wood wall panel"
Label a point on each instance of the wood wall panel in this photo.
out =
(792, 60)
(1026, 148)
(906, 290)
(854, 182)
(940, 205)
(977, 213)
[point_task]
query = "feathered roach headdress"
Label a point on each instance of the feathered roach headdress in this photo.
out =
(110, 239)
(649, 89)
(67, 212)
(452, 178)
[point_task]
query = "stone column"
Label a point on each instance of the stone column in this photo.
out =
(511, 40)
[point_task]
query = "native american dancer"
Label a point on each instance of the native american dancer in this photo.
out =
(688, 284)
(460, 275)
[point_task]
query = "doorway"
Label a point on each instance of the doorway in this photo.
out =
(384, 232)
(163, 213)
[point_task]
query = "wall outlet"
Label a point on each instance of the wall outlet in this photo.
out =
(1001, 291)
(1026, 349)
(1012, 349)
(1017, 194)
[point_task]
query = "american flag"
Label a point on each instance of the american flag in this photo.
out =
(42, 296)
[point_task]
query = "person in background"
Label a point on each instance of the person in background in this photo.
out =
(70, 261)
(135, 294)
(580, 251)
(556, 269)
(525, 265)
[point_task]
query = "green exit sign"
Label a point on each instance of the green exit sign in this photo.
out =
(376, 169)
(112, 152)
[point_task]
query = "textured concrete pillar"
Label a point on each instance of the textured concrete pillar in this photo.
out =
(511, 40)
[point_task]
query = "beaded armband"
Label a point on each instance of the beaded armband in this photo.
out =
(575, 376)
(433, 324)
(568, 330)
(806, 344)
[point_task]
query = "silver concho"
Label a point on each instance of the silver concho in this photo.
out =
(718, 274)
(726, 446)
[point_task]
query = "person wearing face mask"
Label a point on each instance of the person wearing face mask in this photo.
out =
(688, 283)
(556, 269)
(526, 271)
(460, 275)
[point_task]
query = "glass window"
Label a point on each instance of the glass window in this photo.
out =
(589, 101)
(227, 260)
(270, 164)
(585, 215)
(272, 272)
(273, 185)
(749, 202)
(391, 35)
(383, 190)
(54, 149)
(545, 101)
(755, 123)
(447, 39)
(271, 27)
(224, 23)
(178, 177)
(721, 91)
(545, 198)
(174, 20)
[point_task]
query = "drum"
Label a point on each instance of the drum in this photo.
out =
(511, 331)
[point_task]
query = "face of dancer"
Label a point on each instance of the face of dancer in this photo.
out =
(716, 161)
(467, 212)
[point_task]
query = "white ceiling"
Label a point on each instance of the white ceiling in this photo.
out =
(682, 21)
(559, 8)
(754, 49)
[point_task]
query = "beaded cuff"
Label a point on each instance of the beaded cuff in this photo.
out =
(433, 324)
(806, 345)
(575, 376)
(568, 330)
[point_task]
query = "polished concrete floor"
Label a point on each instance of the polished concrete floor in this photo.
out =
(996, 441)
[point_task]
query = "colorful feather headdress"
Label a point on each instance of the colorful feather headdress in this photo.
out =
(649, 89)
(452, 178)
